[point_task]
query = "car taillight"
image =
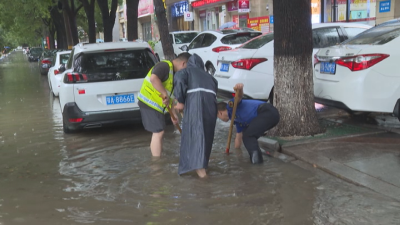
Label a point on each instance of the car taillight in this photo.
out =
(247, 64)
(46, 61)
(75, 120)
(315, 59)
(221, 49)
(361, 62)
(56, 72)
(75, 77)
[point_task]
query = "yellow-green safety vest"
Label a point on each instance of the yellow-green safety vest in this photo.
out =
(150, 96)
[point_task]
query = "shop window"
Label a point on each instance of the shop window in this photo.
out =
(208, 40)
(325, 37)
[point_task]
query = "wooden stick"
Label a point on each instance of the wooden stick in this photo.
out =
(172, 115)
(228, 145)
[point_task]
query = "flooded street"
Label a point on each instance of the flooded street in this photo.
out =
(107, 175)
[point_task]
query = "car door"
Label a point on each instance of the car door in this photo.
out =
(204, 50)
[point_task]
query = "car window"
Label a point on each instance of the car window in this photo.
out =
(120, 65)
(64, 58)
(184, 38)
(208, 40)
(377, 35)
(354, 31)
(258, 42)
(239, 38)
(325, 37)
(196, 43)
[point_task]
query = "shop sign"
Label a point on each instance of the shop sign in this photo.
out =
(384, 6)
(271, 19)
(232, 6)
(145, 8)
(203, 2)
(244, 6)
(259, 23)
(178, 9)
(188, 16)
(202, 14)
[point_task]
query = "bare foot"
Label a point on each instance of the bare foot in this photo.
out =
(202, 173)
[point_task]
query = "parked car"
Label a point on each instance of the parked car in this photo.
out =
(178, 39)
(361, 74)
(208, 44)
(60, 59)
(101, 83)
(253, 63)
(34, 54)
(45, 61)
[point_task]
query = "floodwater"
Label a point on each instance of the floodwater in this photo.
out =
(107, 175)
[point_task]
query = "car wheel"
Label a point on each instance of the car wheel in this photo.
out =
(211, 69)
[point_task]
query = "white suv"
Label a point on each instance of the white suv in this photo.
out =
(101, 83)
(178, 39)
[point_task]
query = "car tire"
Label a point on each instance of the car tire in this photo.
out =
(210, 69)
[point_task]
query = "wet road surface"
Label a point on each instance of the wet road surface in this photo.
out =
(107, 175)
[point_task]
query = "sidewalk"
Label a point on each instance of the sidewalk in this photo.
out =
(364, 155)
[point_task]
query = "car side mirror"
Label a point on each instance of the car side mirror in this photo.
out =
(184, 48)
(61, 69)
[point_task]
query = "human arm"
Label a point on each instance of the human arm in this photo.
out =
(160, 74)
(238, 140)
(239, 88)
(157, 84)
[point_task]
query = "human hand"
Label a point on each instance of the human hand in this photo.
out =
(238, 87)
(165, 100)
(180, 107)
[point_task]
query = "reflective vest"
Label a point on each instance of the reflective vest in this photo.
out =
(150, 96)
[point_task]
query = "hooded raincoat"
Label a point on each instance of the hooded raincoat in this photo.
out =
(197, 89)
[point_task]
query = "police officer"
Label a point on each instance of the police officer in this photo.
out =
(253, 119)
(159, 81)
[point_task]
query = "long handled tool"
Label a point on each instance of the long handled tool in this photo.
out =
(228, 145)
(172, 115)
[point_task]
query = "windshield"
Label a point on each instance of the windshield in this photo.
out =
(376, 36)
(120, 65)
(258, 42)
(184, 37)
(239, 38)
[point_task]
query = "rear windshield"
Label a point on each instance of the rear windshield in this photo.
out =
(36, 50)
(238, 38)
(64, 58)
(120, 65)
(184, 37)
(258, 42)
(376, 36)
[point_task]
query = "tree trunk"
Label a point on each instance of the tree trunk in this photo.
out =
(132, 7)
(58, 21)
(163, 29)
(293, 91)
(89, 10)
(108, 17)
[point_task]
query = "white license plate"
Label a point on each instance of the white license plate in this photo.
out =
(120, 99)
(224, 67)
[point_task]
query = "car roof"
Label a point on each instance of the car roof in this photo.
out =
(220, 34)
(342, 24)
(93, 47)
(180, 32)
(63, 52)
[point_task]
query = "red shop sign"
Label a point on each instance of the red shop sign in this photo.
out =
(203, 2)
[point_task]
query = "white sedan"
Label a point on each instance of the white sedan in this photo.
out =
(54, 76)
(209, 43)
(253, 63)
(361, 74)
(178, 38)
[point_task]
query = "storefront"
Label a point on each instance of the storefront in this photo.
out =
(177, 11)
(348, 10)
(237, 12)
(209, 14)
(146, 21)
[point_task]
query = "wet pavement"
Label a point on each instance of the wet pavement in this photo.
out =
(107, 176)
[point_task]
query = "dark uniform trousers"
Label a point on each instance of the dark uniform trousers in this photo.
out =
(267, 118)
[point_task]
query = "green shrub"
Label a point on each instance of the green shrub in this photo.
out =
(152, 43)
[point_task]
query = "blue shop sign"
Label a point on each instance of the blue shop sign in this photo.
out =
(384, 6)
(271, 19)
(179, 8)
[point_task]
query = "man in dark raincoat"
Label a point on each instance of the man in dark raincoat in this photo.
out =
(195, 90)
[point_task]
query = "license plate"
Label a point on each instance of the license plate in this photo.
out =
(120, 99)
(224, 67)
(327, 67)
